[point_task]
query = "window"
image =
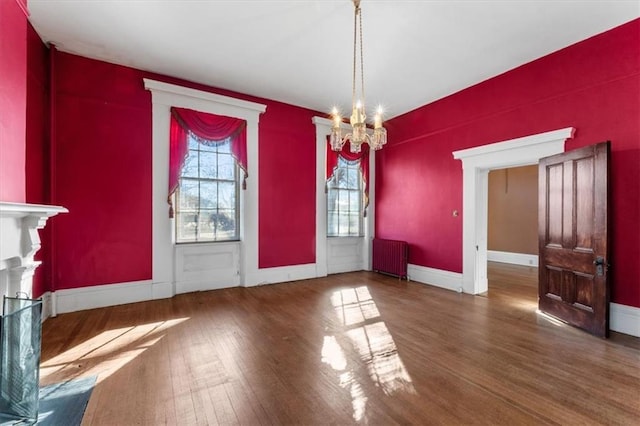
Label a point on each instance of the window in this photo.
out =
(207, 199)
(344, 200)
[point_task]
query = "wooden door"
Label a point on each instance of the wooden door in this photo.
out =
(572, 233)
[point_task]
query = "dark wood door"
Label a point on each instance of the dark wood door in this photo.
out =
(572, 231)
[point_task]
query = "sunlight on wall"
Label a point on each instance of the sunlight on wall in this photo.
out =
(106, 353)
(364, 331)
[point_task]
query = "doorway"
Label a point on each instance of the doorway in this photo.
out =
(476, 163)
(512, 242)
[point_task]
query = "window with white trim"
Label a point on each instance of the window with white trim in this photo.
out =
(345, 200)
(208, 195)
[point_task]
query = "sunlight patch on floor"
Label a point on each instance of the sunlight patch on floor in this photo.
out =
(369, 336)
(550, 319)
(523, 304)
(106, 353)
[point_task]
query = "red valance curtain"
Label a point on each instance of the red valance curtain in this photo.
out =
(363, 156)
(207, 129)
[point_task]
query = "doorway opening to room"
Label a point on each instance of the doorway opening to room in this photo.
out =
(512, 234)
(573, 284)
(476, 164)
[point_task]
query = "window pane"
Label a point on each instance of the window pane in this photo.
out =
(207, 199)
(190, 168)
(193, 143)
(209, 147)
(331, 184)
(225, 224)
(343, 223)
(332, 224)
(208, 194)
(208, 165)
(343, 200)
(187, 226)
(226, 167)
(354, 224)
(341, 178)
(205, 227)
(224, 147)
(332, 200)
(226, 195)
(188, 194)
(354, 178)
(354, 201)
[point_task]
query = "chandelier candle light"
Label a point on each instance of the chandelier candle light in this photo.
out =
(358, 134)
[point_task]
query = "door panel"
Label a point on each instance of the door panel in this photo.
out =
(573, 202)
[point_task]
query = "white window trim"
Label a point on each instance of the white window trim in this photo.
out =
(164, 96)
(323, 129)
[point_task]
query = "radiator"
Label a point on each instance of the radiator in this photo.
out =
(390, 257)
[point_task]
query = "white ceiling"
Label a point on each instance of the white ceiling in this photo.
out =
(300, 52)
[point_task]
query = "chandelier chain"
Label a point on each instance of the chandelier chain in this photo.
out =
(361, 56)
(355, 46)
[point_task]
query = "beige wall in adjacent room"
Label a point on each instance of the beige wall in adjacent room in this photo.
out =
(513, 210)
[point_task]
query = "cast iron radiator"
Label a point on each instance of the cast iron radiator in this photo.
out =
(390, 257)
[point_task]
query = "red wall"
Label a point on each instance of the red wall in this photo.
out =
(593, 86)
(287, 234)
(13, 99)
(102, 147)
(37, 149)
(102, 151)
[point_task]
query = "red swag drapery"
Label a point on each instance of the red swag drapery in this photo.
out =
(208, 129)
(363, 156)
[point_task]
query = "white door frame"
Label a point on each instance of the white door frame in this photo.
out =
(476, 163)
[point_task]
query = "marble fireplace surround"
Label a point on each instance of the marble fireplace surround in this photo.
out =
(19, 242)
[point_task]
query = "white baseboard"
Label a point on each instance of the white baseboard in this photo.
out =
(100, 296)
(162, 290)
(46, 305)
(282, 274)
(344, 267)
(513, 258)
(435, 277)
(624, 319)
(215, 283)
(79, 299)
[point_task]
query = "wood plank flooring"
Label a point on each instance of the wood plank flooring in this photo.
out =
(346, 349)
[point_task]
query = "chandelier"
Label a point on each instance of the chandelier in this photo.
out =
(358, 134)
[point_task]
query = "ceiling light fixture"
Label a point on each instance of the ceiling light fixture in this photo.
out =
(358, 134)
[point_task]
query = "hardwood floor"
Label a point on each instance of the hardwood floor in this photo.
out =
(350, 348)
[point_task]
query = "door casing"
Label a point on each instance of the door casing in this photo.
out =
(476, 164)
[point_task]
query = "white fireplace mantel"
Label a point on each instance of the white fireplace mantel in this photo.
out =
(19, 242)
